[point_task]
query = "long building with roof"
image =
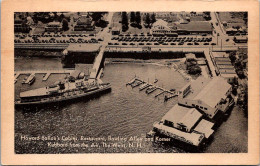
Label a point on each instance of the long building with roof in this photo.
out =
(161, 28)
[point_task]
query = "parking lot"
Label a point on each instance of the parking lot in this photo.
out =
(56, 38)
(148, 39)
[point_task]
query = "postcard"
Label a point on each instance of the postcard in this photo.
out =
(130, 82)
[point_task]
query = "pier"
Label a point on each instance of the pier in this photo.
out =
(46, 72)
(150, 88)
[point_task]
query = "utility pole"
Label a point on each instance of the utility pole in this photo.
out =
(221, 44)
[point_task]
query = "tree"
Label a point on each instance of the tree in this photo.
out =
(245, 103)
(96, 16)
(124, 22)
(234, 91)
(132, 17)
(61, 17)
(194, 69)
(138, 18)
(65, 24)
(232, 57)
(147, 20)
(153, 19)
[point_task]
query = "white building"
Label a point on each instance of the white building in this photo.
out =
(207, 95)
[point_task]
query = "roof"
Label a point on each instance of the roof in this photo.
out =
(205, 127)
(197, 26)
(212, 93)
(54, 23)
(83, 47)
(228, 75)
(222, 59)
(225, 67)
(219, 54)
(176, 113)
(75, 73)
(183, 115)
(190, 119)
(197, 85)
(85, 19)
(161, 23)
(228, 71)
(190, 56)
(193, 137)
(241, 37)
(223, 63)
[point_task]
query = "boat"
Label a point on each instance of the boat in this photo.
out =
(173, 90)
(24, 80)
(62, 91)
(155, 81)
(150, 134)
(31, 79)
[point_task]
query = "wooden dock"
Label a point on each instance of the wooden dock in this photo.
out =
(136, 82)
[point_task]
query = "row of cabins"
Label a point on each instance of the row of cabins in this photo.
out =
(200, 104)
(224, 66)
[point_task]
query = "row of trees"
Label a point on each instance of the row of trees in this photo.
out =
(136, 19)
(124, 22)
(149, 20)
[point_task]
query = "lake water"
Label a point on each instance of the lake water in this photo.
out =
(120, 118)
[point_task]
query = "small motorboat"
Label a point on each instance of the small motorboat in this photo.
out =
(173, 90)
(155, 81)
(150, 134)
(24, 80)
(31, 79)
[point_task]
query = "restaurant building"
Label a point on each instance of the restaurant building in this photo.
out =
(191, 120)
(84, 23)
(162, 28)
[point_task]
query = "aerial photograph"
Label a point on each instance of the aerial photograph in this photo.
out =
(130, 82)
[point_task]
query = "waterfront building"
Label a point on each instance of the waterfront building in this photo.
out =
(191, 120)
(209, 96)
(84, 23)
(53, 27)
